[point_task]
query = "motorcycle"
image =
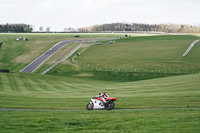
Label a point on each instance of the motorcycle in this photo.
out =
(97, 103)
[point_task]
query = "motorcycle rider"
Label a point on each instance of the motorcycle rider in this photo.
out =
(103, 96)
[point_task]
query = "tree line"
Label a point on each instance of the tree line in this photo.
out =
(16, 28)
(168, 28)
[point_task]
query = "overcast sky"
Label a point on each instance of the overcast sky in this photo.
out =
(59, 14)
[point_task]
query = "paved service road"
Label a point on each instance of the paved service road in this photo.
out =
(37, 62)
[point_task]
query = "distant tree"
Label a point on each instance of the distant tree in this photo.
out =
(15, 28)
(48, 29)
(71, 29)
(41, 29)
(65, 29)
(27, 29)
(181, 29)
(168, 28)
(1, 28)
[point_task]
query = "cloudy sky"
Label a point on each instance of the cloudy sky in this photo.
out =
(59, 14)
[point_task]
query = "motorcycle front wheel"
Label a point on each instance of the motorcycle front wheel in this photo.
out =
(110, 105)
(89, 106)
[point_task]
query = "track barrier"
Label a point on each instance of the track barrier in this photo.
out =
(4, 71)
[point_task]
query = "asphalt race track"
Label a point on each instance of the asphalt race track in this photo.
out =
(37, 62)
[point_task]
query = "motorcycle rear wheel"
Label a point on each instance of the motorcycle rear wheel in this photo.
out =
(89, 106)
(110, 105)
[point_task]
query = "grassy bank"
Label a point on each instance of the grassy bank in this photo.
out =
(69, 86)
(133, 59)
(56, 92)
(146, 53)
(15, 55)
(25, 91)
(101, 121)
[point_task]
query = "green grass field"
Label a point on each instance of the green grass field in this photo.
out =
(53, 92)
(135, 58)
(23, 91)
(101, 121)
(15, 55)
(167, 99)
(151, 52)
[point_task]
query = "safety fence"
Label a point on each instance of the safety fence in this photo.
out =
(156, 70)
(104, 39)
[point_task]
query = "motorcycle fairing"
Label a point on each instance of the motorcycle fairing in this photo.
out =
(111, 98)
(97, 103)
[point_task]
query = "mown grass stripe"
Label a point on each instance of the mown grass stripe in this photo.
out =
(85, 87)
(43, 85)
(50, 87)
(13, 84)
(71, 86)
(20, 84)
(34, 86)
(5, 83)
(65, 87)
(58, 86)
(1, 83)
(94, 86)
(89, 86)
(28, 85)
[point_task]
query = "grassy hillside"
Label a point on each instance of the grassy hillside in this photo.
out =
(35, 91)
(135, 58)
(70, 86)
(15, 55)
(53, 92)
(151, 52)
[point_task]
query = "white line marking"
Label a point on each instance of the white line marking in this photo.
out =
(190, 47)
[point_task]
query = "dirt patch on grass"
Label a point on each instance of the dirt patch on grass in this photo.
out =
(35, 50)
(23, 59)
(83, 75)
(85, 45)
(75, 66)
